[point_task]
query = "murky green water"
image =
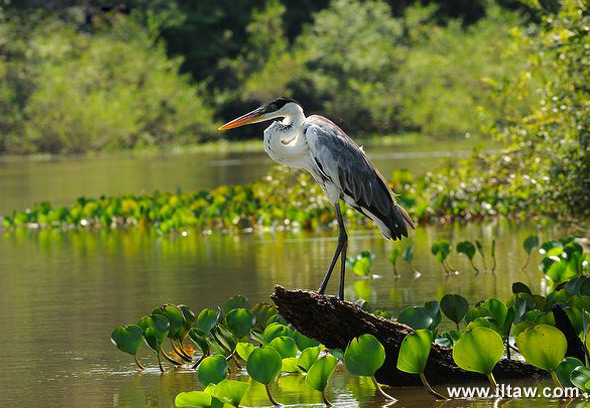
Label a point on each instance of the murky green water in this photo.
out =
(63, 292)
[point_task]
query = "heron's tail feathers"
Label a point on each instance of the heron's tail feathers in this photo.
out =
(395, 225)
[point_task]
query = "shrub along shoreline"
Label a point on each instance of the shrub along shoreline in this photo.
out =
(283, 199)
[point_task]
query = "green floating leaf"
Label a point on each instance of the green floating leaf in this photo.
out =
(235, 302)
(441, 250)
(275, 330)
(478, 350)
(565, 368)
(520, 287)
(454, 307)
(466, 248)
(580, 377)
(264, 364)
(128, 339)
(154, 338)
(304, 342)
(531, 243)
(318, 375)
(414, 351)
(364, 355)
(207, 319)
(174, 316)
(230, 392)
(189, 316)
(196, 399)
(542, 346)
(240, 321)
(244, 350)
(263, 312)
(308, 357)
(285, 346)
(212, 370)
(416, 317)
(291, 365)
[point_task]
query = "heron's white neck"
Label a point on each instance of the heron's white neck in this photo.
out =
(284, 141)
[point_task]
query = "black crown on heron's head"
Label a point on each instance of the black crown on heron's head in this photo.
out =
(278, 103)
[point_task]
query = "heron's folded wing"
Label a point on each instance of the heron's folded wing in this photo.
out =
(346, 164)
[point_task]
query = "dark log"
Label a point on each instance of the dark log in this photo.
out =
(334, 323)
(575, 347)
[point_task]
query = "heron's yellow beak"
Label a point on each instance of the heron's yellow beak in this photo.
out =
(252, 117)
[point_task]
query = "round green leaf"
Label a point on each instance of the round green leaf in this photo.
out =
(531, 243)
(207, 319)
(174, 316)
(580, 377)
(414, 351)
(212, 370)
(275, 330)
(235, 302)
(565, 368)
(154, 338)
(240, 321)
(196, 399)
(127, 338)
(230, 391)
(263, 312)
(291, 365)
(454, 307)
(542, 346)
(466, 248)
(478, 350)
(320, 372)
(264, 364)
(308, 357)
(364, 355)
(158, 321)
(244, 350)
(285, 346)
(416, 317)
(189, 316)
(520, 287)
(304, 342)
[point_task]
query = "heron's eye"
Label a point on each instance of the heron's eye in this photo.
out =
(272, 107)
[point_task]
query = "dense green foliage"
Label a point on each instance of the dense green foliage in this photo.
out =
(63, 90)
(207, 343)
(85, 79)
(546, 164)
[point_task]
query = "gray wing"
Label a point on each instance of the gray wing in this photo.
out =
(342, 162)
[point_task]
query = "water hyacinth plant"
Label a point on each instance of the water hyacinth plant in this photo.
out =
(214, 341)
(364, 356)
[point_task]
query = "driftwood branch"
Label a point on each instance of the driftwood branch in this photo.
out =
(335, 323)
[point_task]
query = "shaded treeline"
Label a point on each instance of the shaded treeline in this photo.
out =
(78, 76)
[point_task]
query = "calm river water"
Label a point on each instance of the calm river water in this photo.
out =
(62, 292)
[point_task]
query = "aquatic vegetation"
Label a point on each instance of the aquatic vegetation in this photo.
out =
(479, 349)
(413, 356)
(395, 253)
(454, 307)
(320, 372)
(264, 365)
(215, 341)
(361, 264)
(441, 250)
(364, 356)
(529, 244)
(543, 346)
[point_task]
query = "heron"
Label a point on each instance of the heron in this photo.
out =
(337, 163)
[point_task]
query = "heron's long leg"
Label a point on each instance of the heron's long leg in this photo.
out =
(343, 238)
(342, 242)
